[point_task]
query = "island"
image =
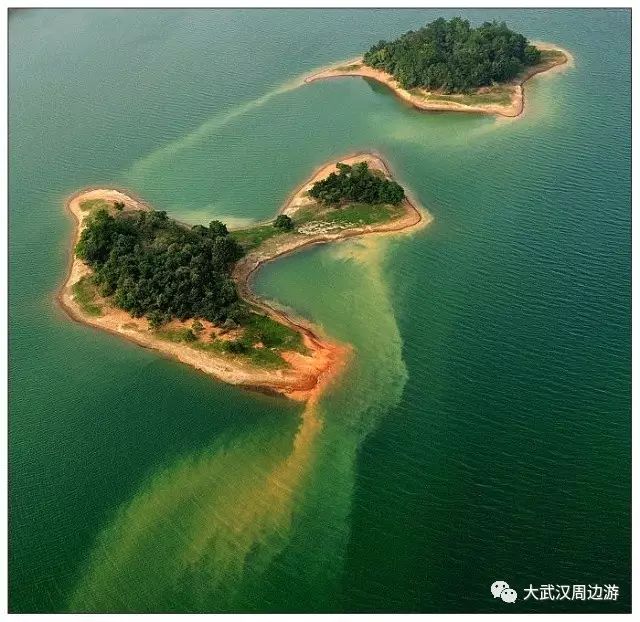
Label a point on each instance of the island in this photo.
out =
(185, 291)
(451, 66)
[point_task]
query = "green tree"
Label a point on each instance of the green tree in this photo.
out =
(283, 222)
(156, 319)
(217, 228)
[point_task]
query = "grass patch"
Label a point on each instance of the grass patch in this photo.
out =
(244, 346)
(260, 357)
(363, 213)
(254, 236)
(263, 357)
(176, 335)
(499, 94)
(92, 204)
(306, 214)
(84, 293)
(272, 334)
(355, 213)
(550, 56)
(353, 67)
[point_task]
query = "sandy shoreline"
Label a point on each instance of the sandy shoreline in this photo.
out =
(514, 109)
(307, 373)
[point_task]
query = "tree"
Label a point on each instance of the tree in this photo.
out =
(200, 230)
(197, 327)
(156, 319)
(283, 222)
(531, 55)
(119, 205)
(217, 228)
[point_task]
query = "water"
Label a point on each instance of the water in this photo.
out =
(482, 428)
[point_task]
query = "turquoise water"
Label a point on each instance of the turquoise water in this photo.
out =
(482, 428)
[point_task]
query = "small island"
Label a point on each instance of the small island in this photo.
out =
(449, 65)
(184, 291)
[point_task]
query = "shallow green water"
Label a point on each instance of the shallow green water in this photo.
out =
(482, 429)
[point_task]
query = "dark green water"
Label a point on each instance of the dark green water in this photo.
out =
(481, 432)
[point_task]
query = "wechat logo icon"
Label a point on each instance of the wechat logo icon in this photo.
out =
(501, 589)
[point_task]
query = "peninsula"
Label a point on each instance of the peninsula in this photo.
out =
(185, 291)
(450, 66)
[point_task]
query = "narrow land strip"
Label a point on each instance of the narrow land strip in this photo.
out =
(306, 372)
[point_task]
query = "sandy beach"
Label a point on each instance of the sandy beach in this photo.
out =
(307, 373)
(419, 98)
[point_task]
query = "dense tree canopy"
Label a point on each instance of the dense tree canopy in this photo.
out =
(453, 56)
(153, 266)
(356, 184)
(283, 222)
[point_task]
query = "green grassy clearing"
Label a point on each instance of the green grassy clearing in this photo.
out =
(356, 213)
(353, 67)
(176, 335)
(84, 293)
(91, 204)
(273, 336)
(261, 357)
(499, 94)
(306, 214)
(362, 213)
(254, 236)
(550, 56)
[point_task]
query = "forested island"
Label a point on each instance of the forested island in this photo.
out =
(454, 56)
(450, 65)
(183, 290)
